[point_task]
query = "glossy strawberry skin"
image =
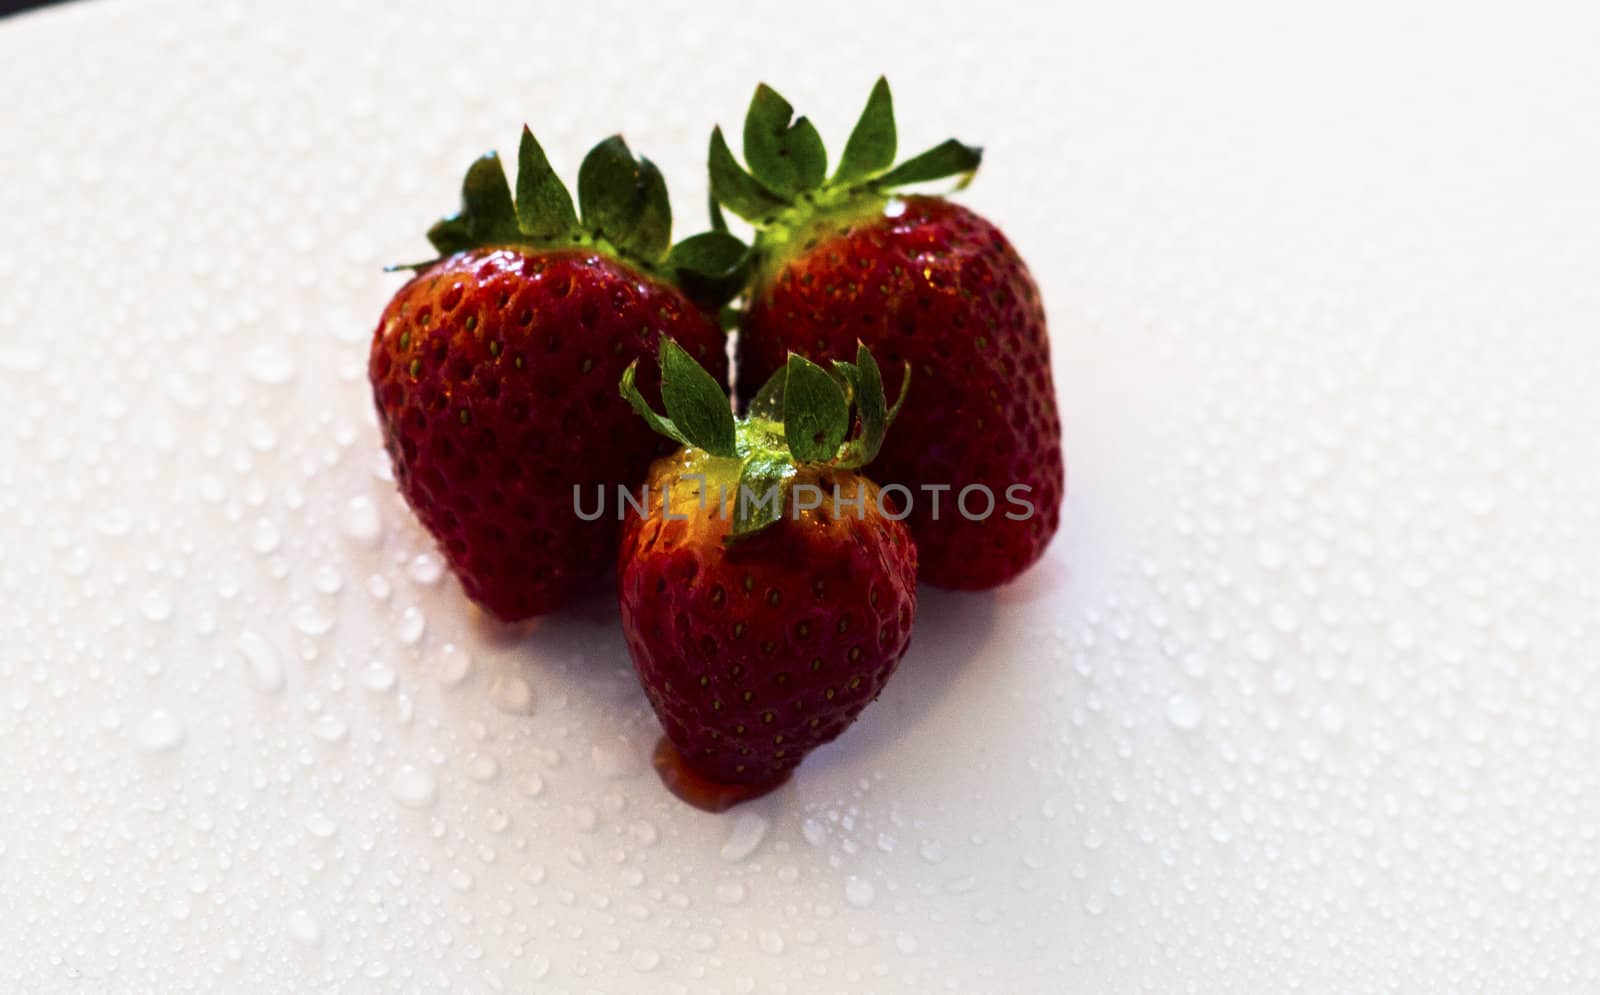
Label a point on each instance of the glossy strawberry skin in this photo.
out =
(755, 654)
(939, 287)
(494, 372)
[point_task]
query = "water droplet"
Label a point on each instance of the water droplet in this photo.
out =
(158, 732)
(264, 537)
(426, 569)
(859, 892)
(455, 664)
(964, 885)
(512, 695)
(730, 892)
(482, 767)
(378, 676)
(747, 833)
(1184, 712)
(304, 927)
(1476, 502)
(1513, 638)
(771, 941)
(1270, 556)
(311, 619)
(411, 626)
(646, 960)
(329, 729)
(616, 759)
(269, 363)
(156, 606)
(1401, 636)
(117, 522)
(1283, 619)
(413, 786)
(360, 521)
(327, 579)
(263, 662)
(320, 826)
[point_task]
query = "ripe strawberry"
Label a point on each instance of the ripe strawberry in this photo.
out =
(922, 281)
(494, 368)
(761, 629)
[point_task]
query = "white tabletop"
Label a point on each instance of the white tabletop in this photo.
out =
(1301, 698)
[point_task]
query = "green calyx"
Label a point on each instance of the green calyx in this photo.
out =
(784, 186)
(803, 415)
(622, 210)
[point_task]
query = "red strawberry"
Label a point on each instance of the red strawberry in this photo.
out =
(495, 368)
(922, 281)
(761, 628)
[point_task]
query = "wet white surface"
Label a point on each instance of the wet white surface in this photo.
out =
(1301, 699)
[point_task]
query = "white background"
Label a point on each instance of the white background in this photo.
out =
(1300, 700)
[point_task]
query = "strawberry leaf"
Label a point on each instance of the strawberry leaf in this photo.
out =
(487, 216)
(870, 149)
(625, 214)
(544, 207)
(948, 158)
(652, 232)
(710, 253)
(710, 267)
(624, 200)
(870, 404)
(815, 412)
(768, 402)
(867, 394)
(788, 158)
(763, 493)
(695, 402)
(641, 407)
(736, 189)
(900, 400)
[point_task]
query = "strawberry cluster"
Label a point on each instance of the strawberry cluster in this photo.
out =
(767, 587)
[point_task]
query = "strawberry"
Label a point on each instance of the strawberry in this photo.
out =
(921, 281)
(494, 368)
(768, 589)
